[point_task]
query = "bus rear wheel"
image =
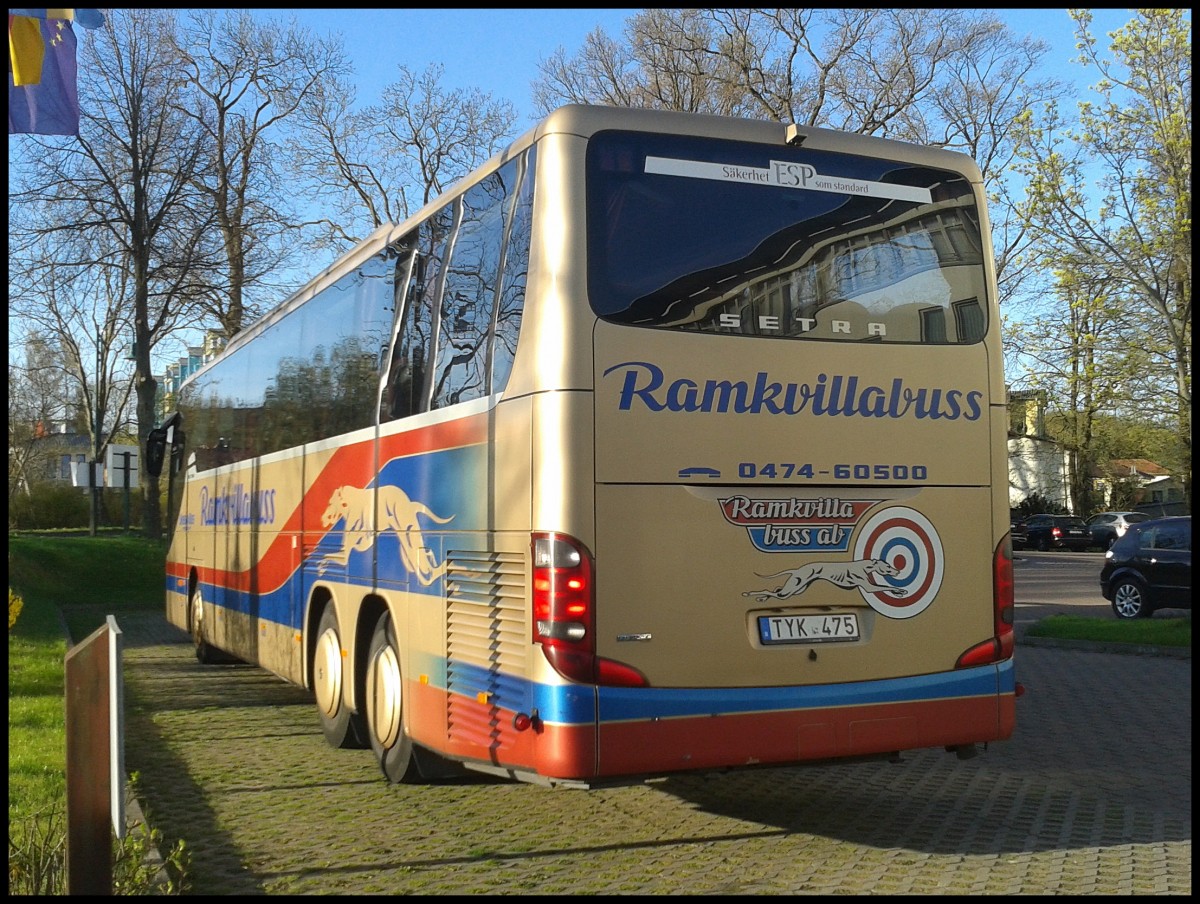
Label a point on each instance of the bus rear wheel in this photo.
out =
(391, 744)
(342, 728)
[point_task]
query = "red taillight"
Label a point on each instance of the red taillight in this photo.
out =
(1000, 646)
(564, 613)
(562, 591)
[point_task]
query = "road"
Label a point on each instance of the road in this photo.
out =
(1061, 583)
(1091, 795)
(1050, 583)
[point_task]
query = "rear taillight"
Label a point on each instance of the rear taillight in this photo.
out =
(1056, 531)
(564, 621)
(562, 590)
(1000, 646)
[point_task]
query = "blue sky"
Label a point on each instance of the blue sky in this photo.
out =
(499, 50)
(496, 50)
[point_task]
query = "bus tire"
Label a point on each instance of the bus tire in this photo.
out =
(343, 729)
(391, 744)
(206, 654)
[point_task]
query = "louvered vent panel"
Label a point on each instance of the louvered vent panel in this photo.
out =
(487, 644)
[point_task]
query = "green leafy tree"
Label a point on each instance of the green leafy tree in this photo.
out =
(1128, 258)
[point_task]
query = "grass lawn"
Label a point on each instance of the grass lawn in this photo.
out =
(84, 578)
(1160, 632)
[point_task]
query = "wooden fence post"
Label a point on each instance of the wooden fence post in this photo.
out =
(95, 792)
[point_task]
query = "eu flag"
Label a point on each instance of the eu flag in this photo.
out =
(43, 97)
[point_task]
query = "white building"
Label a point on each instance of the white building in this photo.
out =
(1036, 463)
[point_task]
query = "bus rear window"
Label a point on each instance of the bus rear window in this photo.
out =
(733, 238)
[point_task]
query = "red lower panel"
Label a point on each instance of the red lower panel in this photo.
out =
(670, 745)
(482, 732)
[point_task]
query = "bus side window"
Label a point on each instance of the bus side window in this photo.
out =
(469, 295)
(405, 377)
(408, 378)
(397, 383)
(517, 240)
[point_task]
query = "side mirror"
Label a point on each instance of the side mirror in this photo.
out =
(156, 450)
(170, 431)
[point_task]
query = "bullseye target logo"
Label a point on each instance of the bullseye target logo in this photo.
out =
(906, 541)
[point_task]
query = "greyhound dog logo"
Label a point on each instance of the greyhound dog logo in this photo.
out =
(854, 575)
(397, 513)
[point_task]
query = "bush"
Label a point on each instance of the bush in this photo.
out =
(15, 604)
(1037, 504)
(49, 505)
(37, 853)
(53, 506)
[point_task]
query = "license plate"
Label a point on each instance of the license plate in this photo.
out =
(774, 629)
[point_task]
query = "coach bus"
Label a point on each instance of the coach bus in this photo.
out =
(661, 442)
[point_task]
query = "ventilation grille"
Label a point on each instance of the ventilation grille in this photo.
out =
(487, 645)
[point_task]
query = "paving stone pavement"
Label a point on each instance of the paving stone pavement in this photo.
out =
(1092, 795)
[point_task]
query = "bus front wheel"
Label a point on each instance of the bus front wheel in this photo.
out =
(206, 654)
(342, 728)
(385, 707)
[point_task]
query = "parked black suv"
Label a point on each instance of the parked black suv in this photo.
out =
(1149, 568)
(1046, 532)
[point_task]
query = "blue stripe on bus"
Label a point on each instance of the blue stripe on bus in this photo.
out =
(636, 704)
(574, 704)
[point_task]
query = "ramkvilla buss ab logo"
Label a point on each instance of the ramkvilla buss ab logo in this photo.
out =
(823, 524)
(898, 560)
(907, 541)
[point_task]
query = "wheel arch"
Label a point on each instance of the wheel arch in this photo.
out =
(193, 582)
(372, 607)
(1129, 574)
(318, 600)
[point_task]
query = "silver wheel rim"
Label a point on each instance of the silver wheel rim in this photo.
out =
(384, 697)
(197, 615)
(327, 676)
(1128, 600)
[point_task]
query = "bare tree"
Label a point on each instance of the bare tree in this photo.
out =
(82, 315)
(950, 78)
(244, 81)
(38, 398)
(118, 204)
(384, 162)
(356, 185)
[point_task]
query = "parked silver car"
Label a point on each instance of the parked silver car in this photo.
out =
(1107, 527)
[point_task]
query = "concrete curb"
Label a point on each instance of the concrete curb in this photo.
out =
(1130, 649)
